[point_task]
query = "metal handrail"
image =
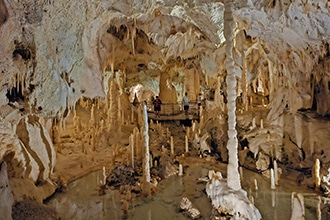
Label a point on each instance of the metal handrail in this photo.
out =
(172, 108)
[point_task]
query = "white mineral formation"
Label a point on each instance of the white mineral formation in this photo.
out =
(186, 144)
(180, 170)
(228, 201)
(234, 181)
(172, 145)
(185, 204)
(145, 133)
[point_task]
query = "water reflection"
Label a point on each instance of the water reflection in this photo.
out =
(82, 201)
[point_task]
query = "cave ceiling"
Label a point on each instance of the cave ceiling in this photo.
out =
(52, 50)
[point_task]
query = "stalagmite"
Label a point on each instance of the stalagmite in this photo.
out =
(276, 172)
(104, 176)
(245, 84)
(272, 179)
(180, 169)
(317, 173)
(254, 122)
(201, 120)
(131, 142)
(232, 144)
(186, 142)
(255, 184)
(261, 123)
(136, 137)
(172, 145)
(193, 127)
(146, 144)
(92, 118)
(140, 116)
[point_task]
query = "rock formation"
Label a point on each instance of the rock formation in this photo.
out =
(71, 69)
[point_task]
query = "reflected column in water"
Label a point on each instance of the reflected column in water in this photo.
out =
(297, 206)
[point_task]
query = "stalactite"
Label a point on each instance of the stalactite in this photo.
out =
(133, 35)
(233, 177)
(140, 116)
(245, 84)
(137, 148)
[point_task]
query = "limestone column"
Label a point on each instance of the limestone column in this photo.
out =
(233, 178)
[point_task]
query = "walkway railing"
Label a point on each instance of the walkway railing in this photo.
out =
(173, 108)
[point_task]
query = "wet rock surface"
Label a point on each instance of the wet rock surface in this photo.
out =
(122, 175)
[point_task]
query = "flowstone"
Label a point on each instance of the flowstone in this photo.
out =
(229, 202)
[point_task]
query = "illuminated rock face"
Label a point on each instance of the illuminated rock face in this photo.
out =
(52, 53)
(28, 150)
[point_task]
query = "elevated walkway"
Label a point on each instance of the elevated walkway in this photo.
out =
(178, 117)
(173, 112)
